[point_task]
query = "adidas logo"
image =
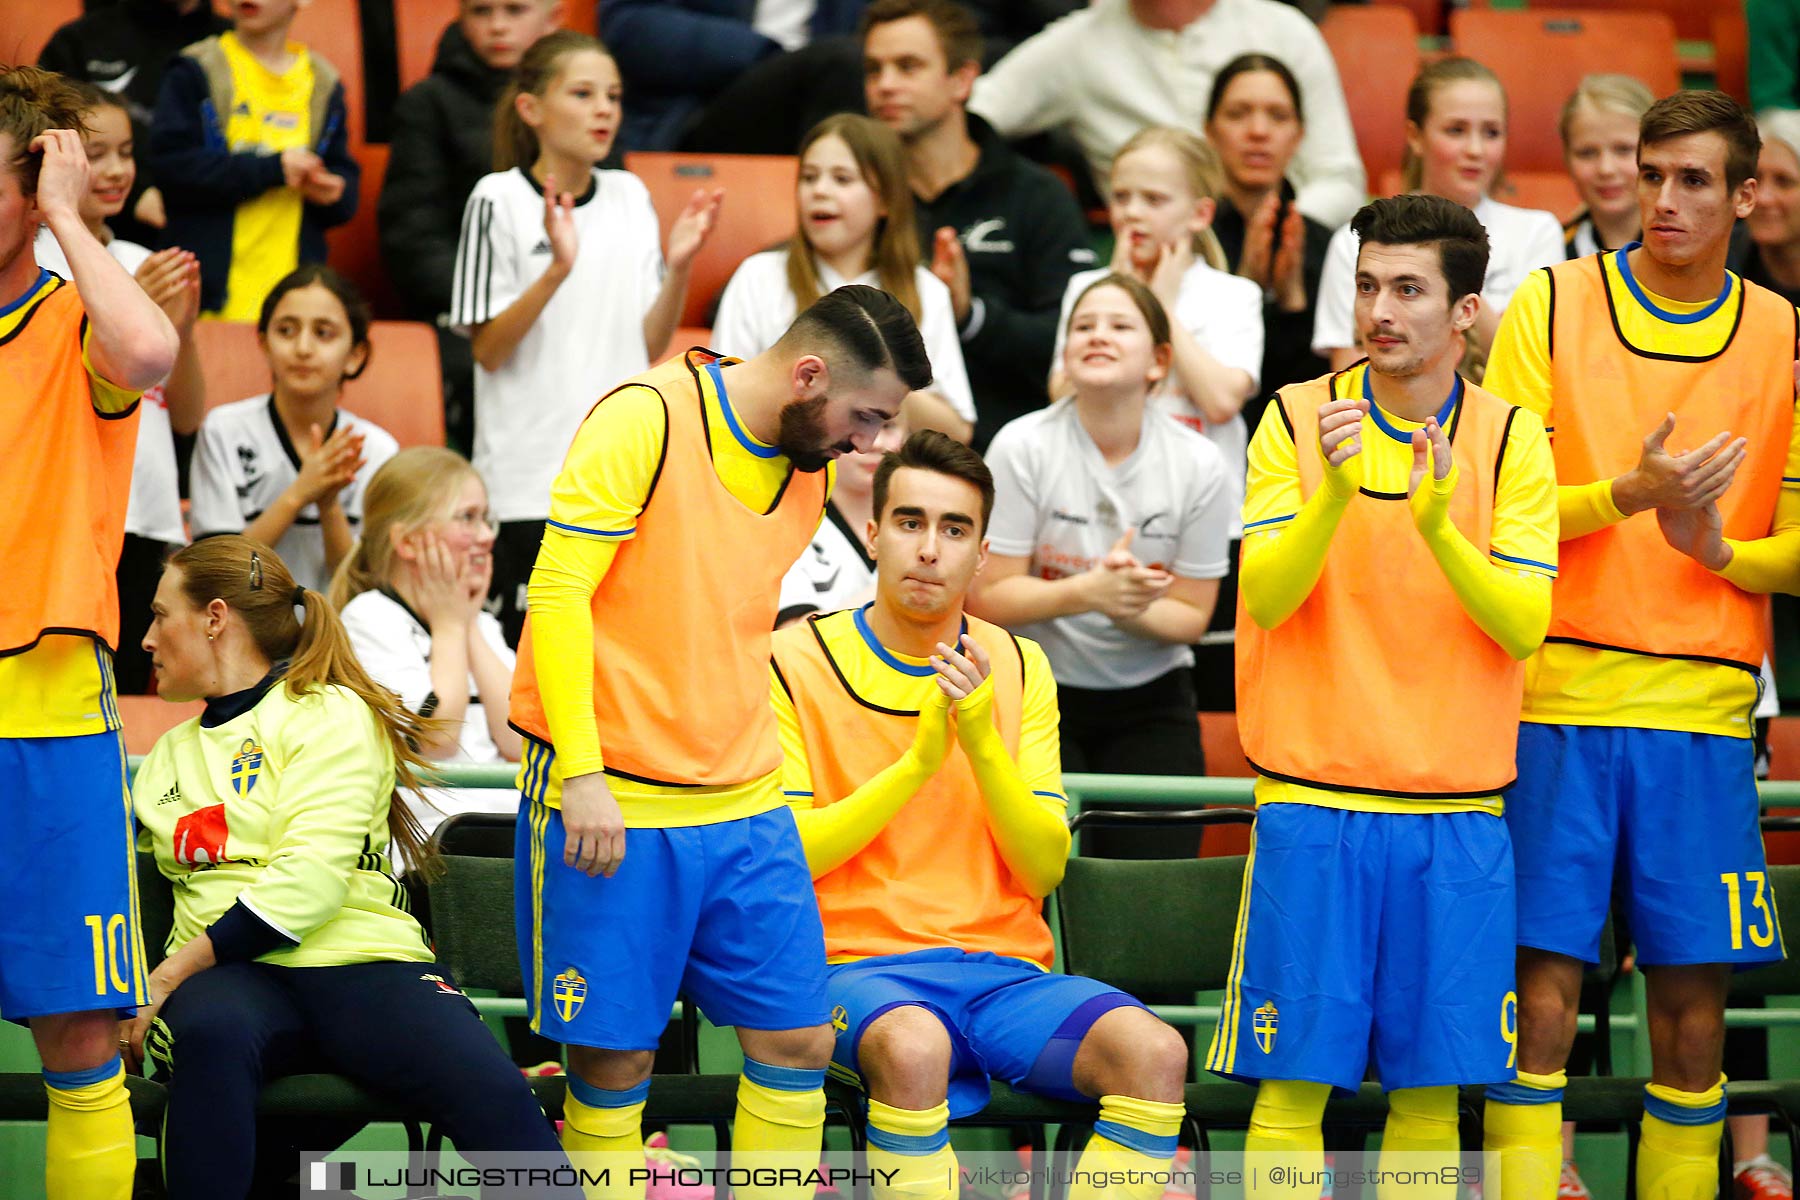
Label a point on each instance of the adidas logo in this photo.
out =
(172, 795)
(543, 246)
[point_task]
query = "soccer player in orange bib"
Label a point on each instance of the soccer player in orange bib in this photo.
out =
(1400, 540)
(1636, 782)
(75, 355)
(655, 855)
(933, 839)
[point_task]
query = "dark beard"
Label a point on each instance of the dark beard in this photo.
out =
(802, 436)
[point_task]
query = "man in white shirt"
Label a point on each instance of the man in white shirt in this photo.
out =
(1107, 70)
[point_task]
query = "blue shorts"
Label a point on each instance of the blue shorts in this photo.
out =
(1383, 936)
(721, 913)
(1007, 1019)
(70, 940)
(1673, 816)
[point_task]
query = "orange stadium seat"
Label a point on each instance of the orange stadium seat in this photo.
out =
(1377, 33)
(1553, 191)
(147, 718)
(758, 211)
(28, 25)
(1219, 742)
(1428, 13)
(402, 390)
(1540, 55)
(687, 337)
(354, 248)
(418, 26)
(333, 29)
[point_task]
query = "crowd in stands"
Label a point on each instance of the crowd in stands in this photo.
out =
(1112, 376)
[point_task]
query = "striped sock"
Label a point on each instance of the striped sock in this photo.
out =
(1131, 1135)
(603, 1132)
(1678, 1154)
(910, 1154)
(780, 1125)
(90, 1150)
(1522, 1135)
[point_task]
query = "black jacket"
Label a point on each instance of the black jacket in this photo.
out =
(1287, 337)
(125, 48)
(1024, 237)
(442, 145)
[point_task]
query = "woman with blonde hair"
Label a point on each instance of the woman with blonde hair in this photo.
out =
(273, 813)
(1455, 145)
(1599, 127)
(410, 593)
(855, 226)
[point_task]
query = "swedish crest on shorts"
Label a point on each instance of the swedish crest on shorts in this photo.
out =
(569, 992)
(1263, 1022)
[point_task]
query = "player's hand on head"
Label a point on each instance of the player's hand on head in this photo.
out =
(1340, 444)
(63, 176)
(593, 827)
(694, 226)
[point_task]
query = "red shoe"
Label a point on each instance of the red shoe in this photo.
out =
(658, 1157)
(543, 1070)
(1763, 1179)
(1570, 1187)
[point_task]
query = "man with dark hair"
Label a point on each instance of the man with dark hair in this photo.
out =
(651, 756)
(932, 851)
(1400, 525)
(1003, 234)
(1635, 752)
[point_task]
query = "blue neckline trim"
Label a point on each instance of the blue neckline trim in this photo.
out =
(731, 421)
(874, 644)
(1401, 435)
(37, 284)
(1663, 314)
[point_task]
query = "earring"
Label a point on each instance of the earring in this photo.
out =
(209, 637)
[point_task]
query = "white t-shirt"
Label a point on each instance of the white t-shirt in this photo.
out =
(394, 646)
(244, 461)
(1058, 504)
(154, 510)
(1520, 240)
(785, 22)
(833, 572)
(588, 339)
(757, 307)
(1223, 312)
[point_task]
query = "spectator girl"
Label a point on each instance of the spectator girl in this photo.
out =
(288, 468)
(1599, 128)
(1108, 539)
(1455, 144)
(560, 285)
(410, 596)
(855, 226)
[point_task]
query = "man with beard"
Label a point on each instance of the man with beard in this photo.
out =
(655, 854)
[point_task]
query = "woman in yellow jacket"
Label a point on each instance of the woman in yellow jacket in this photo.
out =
(293, 948)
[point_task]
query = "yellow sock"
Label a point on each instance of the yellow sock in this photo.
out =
(1285, 1132)
(1522, 1135)
(603, 1132)
(1131, 1135)
(1678, 1154)
(1421, 1136)
(910, 1154)
(90, 1151)
(780, 1125)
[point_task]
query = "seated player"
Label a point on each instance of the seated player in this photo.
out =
(933, 840)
